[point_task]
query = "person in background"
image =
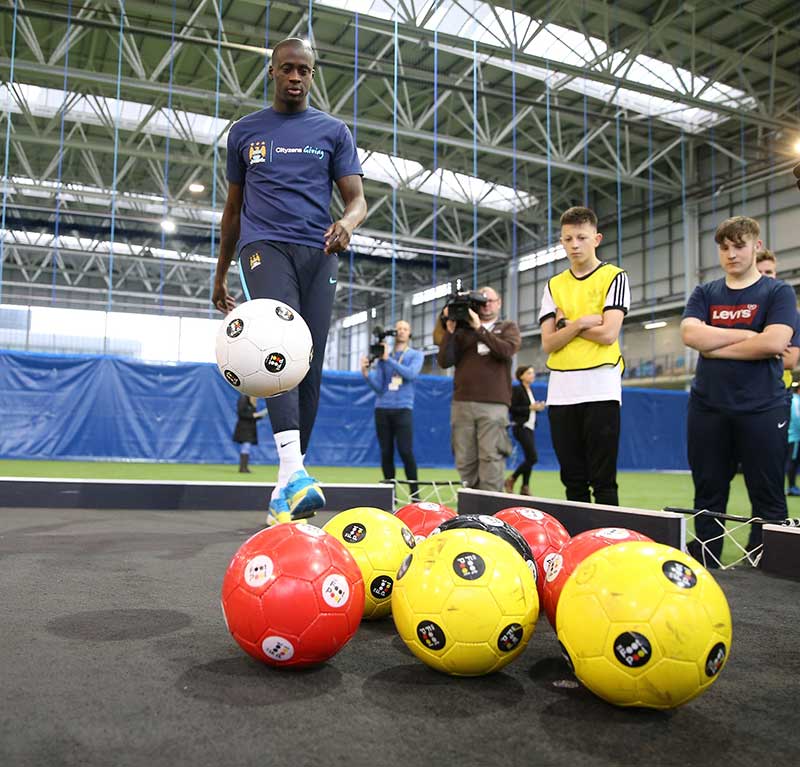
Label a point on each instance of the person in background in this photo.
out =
(523, 412)
(392, 379)
(246, 432)
(794, 442)
(481, 349)
(767, 265)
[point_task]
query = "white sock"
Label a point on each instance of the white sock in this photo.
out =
(289, 457)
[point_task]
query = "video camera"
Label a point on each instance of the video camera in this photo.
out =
(460, 302)
(376, 349)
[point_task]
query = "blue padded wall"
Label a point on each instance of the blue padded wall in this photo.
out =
(87, 407)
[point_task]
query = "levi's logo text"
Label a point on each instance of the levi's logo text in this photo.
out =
(742, 314)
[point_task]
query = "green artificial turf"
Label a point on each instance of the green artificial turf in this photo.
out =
(636, 489)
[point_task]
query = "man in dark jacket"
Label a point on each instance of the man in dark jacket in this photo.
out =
(481, 351)
(246, 433)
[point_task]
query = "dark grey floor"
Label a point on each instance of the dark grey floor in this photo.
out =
(114, 652)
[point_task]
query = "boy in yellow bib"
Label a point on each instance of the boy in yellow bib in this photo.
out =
(581, 316)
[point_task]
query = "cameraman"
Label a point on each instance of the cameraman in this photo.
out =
(481, 348)
(392, 380)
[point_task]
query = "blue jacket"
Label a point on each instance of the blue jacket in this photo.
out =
(406, 365)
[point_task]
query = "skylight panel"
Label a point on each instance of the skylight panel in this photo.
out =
(384, 168)
(458, 187)
(90, 245)
(541, 257)
(484, 23)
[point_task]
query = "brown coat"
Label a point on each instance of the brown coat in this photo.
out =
(481, 377)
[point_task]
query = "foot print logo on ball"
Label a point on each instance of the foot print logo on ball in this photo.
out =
(277, 648)
(469, 566)
(232, 378)
(335, 590)
(431, 635)
(275, 362)
(716, 659)
(632, 649)
(510, 638)
(258, 571)
(679, 574)
(354, 533)
(235, 328)
(381, 587)
(312, 530)
(408, 537)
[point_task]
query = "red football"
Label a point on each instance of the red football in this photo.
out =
(424, 517)
(292, 596)
(558, 566)
(543, 532)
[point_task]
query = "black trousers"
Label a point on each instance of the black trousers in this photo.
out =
(717, 443)
(305, 279)
(586, 440)
(395, 426)
(527, 442)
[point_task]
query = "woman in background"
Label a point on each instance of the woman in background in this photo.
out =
(246, 433)
(523, 414)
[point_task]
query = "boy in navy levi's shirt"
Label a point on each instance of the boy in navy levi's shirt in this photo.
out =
(282, 164)
(740, 324)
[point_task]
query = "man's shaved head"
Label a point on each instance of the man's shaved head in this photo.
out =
(292, 42)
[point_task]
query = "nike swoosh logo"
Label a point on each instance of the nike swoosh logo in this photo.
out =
(290, 442)
(782, 424)
(331, 280)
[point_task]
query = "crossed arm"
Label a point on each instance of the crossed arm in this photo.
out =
(735, 343)
(601, 328)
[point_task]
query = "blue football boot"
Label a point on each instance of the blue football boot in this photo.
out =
(278, 512)
(304, 495)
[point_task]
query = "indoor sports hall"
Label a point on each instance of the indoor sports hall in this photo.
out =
(146, 571)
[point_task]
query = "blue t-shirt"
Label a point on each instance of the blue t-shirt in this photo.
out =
(402, 367)
(287, 164)
(741, 386)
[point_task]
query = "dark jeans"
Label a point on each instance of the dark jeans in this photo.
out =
(717, 442)
(395, 426)
(305, 279)
(586, 440)
(525, 437)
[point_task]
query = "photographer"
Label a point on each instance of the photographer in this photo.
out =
(392, 380)
(481, 348)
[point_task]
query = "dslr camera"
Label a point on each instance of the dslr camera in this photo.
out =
(376, 349)
(460, 302)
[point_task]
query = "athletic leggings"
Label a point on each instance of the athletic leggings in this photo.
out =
(305, 279)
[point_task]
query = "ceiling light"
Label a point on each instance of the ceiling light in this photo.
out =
(168, 226)
(196, 188)
(655, 325)
(797, 146)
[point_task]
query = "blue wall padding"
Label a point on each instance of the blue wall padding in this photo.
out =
(87, 407)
